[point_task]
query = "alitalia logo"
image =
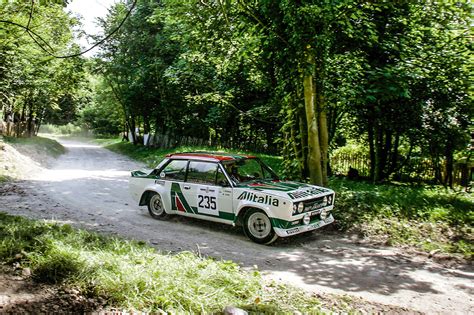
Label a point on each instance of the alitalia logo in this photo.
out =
(268, 200)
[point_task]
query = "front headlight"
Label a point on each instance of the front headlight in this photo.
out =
(295, 208)
(300, 207)
(325, 201)
(330, 200)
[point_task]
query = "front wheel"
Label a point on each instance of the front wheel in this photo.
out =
(258, 228)
(156, 207)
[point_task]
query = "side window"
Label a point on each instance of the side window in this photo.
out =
(202, 173)
(175, 170)
(221, 179)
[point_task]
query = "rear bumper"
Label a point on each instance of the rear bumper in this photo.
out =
(304, 228)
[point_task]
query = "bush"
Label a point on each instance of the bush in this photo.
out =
(68, 129)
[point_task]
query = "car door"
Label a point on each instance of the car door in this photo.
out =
(172, 176)
(205, 197)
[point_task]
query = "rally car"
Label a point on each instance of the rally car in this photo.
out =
(232, 189)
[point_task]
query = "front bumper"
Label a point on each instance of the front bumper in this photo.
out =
(304, 228)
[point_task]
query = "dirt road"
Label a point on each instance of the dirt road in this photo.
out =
(88, 187)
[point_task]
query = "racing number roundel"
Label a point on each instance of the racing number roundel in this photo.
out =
(207, 200)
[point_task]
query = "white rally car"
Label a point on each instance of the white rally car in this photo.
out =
(232, 189)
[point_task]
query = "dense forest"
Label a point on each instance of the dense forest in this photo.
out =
(299, 78)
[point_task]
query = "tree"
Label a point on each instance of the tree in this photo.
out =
(32, 82)
(414, 60)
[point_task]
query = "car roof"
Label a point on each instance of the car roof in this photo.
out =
(210, 156)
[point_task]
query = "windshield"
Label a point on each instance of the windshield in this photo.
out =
(247, 170)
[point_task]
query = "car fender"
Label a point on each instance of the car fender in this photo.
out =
(159, 189)
(249, 204)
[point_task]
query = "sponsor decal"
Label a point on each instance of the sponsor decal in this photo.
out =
(207, 199)
(306, 193)
(268, 200)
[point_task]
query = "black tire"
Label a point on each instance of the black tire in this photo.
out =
(156, 207)
(258, 227)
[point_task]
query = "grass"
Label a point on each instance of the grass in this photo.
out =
(134, 276)
(426, 217)
(4, 178)
(40, 144)
(423, 216)
(152, 156)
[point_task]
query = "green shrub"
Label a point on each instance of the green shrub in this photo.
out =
(427, 217)
(69, 129)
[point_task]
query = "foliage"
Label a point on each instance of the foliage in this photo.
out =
(423, 216)
(35, 86)
(102, 114)
(414, 92)
(68, 129)
(200, 79)
(132, 275)
(388, 75)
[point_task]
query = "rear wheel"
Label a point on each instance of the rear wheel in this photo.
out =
(258, 227)
(156, 207)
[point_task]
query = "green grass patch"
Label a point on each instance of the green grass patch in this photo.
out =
(152, 156)
(39, 144)
(132, 275)
(427, 217)
(4, 178)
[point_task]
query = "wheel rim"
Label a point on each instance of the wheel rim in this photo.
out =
(156, 206)
(259, 225)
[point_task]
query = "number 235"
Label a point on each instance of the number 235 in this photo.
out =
(207, 202)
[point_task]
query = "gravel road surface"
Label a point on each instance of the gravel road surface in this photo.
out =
(88, 187)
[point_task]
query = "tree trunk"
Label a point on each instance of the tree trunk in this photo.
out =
(379, 147)
(448, 179)
(394, 154)
(323, 138)
(370, 133)
(30, 125)
(314, 150)
(304, 143)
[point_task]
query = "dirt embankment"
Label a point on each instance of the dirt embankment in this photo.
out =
(87, 187)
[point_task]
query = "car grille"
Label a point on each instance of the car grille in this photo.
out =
(316, 203)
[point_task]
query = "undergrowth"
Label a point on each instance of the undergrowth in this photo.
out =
(152, 156)
(134, 276)
(427, 217)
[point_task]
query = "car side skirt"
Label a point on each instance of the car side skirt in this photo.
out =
(203, 217)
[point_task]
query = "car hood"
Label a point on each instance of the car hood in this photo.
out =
(286, 189)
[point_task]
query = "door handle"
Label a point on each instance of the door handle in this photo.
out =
(187, 187)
